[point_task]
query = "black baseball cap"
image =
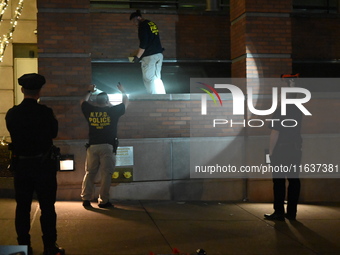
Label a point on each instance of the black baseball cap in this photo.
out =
(135, 14)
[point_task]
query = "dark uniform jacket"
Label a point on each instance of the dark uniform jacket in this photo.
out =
(287, 150)
(32, 127)
(289, 134)
(149, 40)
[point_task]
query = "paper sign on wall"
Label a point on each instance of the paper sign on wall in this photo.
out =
(124, 156)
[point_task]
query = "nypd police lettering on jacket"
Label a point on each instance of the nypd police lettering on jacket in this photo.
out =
(99, 119)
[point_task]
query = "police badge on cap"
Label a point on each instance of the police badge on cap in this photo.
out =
(32, 81)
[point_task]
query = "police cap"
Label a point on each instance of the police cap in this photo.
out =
(32, 81)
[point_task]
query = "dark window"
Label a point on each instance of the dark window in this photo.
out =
(315, 6)
(155, 4)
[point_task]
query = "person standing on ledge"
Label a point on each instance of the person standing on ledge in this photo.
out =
(150, 53)
(102, 119)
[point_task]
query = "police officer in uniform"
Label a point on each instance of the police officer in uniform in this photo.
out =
(32, 127)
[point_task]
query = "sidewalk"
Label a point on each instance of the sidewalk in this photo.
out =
(141, 227)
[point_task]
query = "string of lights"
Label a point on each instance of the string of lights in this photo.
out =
(3, 6)
(6, 38)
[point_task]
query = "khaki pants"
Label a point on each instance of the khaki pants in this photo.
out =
(151, 69)
(99, 158)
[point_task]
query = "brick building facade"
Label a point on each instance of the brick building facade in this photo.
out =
(253, 39)
(260, 40)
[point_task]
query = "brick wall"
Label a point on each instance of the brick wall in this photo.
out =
(261, 35)
(203, 37)
(238, 68)
(268, 35)
(164, 118)
(157, 119)
(322, 120)
(65, 76)
(316, 37)
(149, 119)
(69, 37)
(238, 8)
(182, 36)
(72, 124)
(64, 46)
(238, 38)
(282, 6)
(268, 67)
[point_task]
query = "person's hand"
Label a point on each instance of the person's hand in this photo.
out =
(135, 60)
(121, 88)
(92, 88)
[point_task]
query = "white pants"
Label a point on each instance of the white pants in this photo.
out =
(151, 69)
(98, 157)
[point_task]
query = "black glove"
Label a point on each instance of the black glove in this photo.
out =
(135, 60)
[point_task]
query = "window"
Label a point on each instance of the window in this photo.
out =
(155, 4)
(315, 6)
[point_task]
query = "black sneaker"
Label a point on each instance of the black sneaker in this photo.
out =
(106, 205)
(55, 250)
(86, 203)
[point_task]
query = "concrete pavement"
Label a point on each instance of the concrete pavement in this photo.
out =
(141, 227)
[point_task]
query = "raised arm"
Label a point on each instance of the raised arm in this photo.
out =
(125, 98)
(90, 89)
